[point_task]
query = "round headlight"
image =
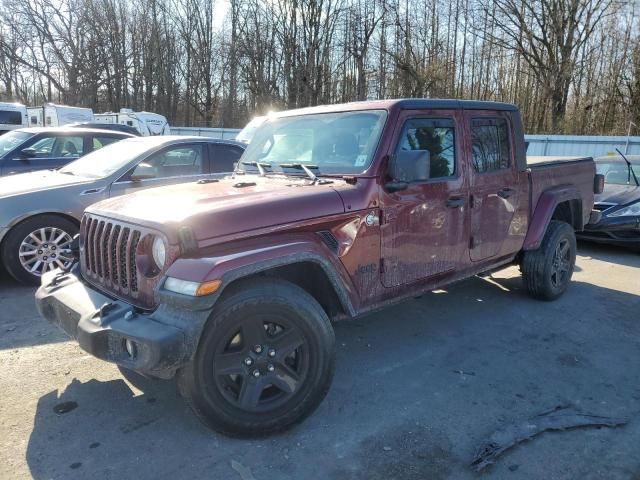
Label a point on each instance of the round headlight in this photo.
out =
(159, 252)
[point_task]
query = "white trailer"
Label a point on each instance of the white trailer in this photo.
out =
(12, 116)
(50, 115)
(147, 123)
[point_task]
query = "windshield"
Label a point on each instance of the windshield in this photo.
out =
(107, 160)
(333, 143)
(616, 172)
(247, 133)
(11, 140)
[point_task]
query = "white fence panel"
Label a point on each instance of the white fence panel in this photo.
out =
(581, 145)
(222, 133)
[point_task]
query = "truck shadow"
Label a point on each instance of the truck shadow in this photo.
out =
(609, 253)
(451, 364)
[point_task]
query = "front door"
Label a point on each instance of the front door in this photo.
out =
(46, 152)
(494, 183)
(424, 227)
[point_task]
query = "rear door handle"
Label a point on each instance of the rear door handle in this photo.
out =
(455, 202)
(506, 192)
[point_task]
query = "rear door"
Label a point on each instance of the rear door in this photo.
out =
(181, 163)
(494, 184)
(424, 231)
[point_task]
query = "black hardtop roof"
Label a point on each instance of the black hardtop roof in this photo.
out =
(403, 104)
(424, 103)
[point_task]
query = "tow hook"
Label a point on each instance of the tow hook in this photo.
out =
(57, 278)
(103, 310)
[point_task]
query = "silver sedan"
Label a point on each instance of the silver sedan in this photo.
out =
(40, 212)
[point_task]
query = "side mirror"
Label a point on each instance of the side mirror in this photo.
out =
(143, 171)
(408, 166)
(28, 153)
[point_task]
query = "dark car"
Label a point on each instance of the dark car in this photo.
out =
(114, 127)
(31, 149)
(618, 204)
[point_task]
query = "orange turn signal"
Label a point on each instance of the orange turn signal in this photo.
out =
(207, 288)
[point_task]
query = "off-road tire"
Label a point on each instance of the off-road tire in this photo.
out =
(257, 298)
(538, 265)
(13, 239)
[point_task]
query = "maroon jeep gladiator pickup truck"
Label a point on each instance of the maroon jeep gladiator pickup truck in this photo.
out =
(333, 211)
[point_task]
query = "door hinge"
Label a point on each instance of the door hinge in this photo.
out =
(382, 265)
(472, 242)
(471, 201)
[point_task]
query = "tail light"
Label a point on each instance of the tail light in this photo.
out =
(598, 183)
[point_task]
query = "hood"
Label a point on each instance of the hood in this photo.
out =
(618, 194)
(37, 181)
(225, 207)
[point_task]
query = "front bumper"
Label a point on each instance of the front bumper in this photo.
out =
(613, 230)
(102, 326)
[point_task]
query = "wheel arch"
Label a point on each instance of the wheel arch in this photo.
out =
(308, 274)
(563, 204)
(19, 221)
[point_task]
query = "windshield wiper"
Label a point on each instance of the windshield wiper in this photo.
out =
(260, 166)
(305, 168)
(631, 172)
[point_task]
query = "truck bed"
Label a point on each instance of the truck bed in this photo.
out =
(534, 162)
(549, 172)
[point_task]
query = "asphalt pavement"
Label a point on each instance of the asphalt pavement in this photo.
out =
(418, 388)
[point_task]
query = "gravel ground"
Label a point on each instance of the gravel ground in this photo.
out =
(418, 388)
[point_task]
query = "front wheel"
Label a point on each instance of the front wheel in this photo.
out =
(547, 271)
(37, 245)
(264, 362)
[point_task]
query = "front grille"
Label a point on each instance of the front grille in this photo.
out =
(110, 255)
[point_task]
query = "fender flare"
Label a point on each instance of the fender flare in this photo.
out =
(234, 266)
(544, 209)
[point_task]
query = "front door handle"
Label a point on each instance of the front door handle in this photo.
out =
(506, 192)
(455, 202)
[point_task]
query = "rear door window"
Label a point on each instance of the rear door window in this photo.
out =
(99, 142)
(490, 149)
(223, 157)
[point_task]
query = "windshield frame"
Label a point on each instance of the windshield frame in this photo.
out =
(250, 154)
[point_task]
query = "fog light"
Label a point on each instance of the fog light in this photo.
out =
(130, 347)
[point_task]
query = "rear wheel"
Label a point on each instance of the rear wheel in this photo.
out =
(264, 362)
(547, 271)
(37, 245)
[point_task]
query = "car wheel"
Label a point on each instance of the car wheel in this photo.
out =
(38, 245)
(265, 360)
(547, 271)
